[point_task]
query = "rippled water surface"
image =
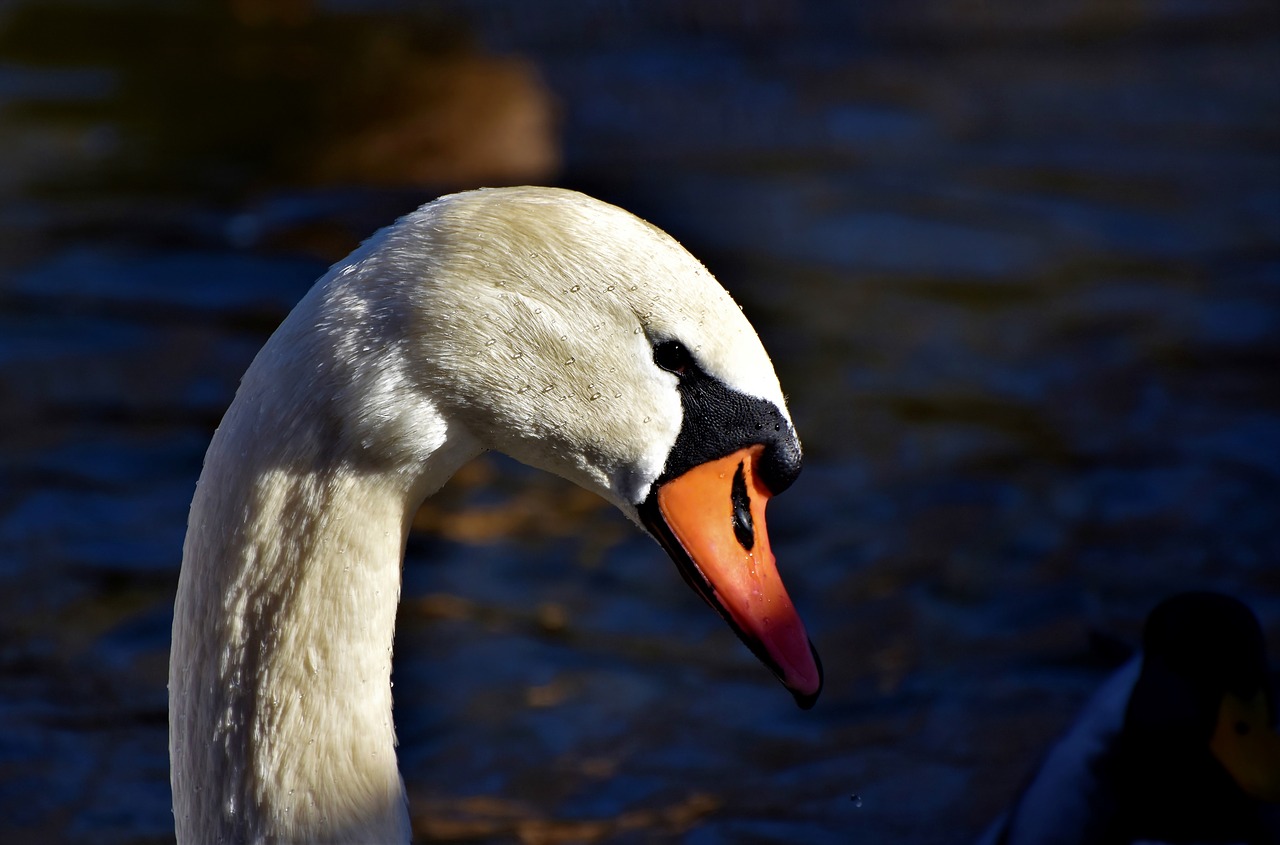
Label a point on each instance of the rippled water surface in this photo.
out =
(1019, 272)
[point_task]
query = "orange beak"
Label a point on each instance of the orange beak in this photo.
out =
(711, 521)
(1248, 746)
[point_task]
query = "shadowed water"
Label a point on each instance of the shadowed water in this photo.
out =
(1019, 271)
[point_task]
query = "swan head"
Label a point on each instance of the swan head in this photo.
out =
(579, 339)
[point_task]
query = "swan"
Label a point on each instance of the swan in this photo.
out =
(1179, 745)
(539, 322)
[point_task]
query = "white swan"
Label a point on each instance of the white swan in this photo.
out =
(558, 329)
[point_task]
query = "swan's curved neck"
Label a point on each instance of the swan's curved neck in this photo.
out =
(522, 320)
(280, 691)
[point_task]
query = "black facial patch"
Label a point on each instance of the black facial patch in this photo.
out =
(719, 421)
(743, 526)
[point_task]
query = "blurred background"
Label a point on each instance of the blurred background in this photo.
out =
(1018, 266)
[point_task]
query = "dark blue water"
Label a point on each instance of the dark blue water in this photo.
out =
(1019, 271)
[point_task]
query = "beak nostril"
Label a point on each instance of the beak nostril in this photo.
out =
(743, 526)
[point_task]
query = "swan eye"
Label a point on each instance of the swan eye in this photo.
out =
(672, 356)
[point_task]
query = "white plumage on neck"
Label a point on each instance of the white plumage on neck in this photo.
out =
(520, 320)
(283, 629)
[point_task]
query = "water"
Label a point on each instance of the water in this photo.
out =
(1019, 270)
